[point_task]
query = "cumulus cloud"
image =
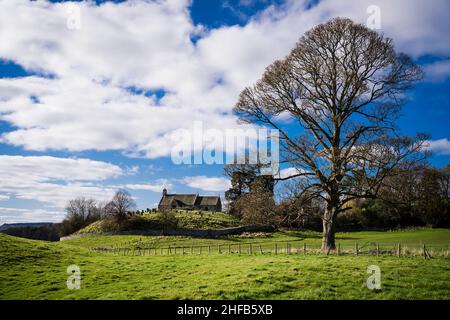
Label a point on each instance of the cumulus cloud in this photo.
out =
(53, 180)
(438, 71)
(288, 172)
(205, 183)
(18, 215)
(440, 146)
(87, 103)
(157, 186)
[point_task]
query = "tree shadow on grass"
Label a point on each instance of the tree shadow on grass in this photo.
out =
(301, 235)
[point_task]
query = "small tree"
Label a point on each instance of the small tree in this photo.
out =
(241, 177)
(120, 205)
(257, 207)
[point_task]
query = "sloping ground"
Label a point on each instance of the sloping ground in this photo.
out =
(38, 270)
(200, 220)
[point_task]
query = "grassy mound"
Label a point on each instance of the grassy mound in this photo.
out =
(167, 220)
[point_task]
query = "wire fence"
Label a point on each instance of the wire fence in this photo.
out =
(294, 247)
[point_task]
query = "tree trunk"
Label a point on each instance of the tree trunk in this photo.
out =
(328, 242)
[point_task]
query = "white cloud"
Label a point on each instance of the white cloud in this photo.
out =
(86, 105)
(438, 71)
(158, 186)
(207, 183)
(147, 44)
(53, 180)
(18, 215)
(288, 172)
(440, 146)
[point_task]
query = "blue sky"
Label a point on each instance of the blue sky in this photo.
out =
(90, 92)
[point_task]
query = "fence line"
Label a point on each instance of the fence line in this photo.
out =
(253, 248)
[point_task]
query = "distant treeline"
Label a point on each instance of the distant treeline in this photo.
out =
(419, 197)
(47, 233)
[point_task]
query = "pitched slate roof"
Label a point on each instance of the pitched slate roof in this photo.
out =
(185, 199)
(207, 200)
(189, 200)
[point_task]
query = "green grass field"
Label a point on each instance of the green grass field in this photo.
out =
(435, 239)
(37, 270)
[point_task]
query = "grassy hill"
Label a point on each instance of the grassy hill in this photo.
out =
(37, 270)
(174, 219)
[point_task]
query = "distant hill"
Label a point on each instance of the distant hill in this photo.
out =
(7, 226)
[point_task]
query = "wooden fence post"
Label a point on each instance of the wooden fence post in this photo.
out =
(398, 250)
(218, 248)
(276, 249)
(356, 248)
(209, 249)
(260, 249)
(200, 250)
(304, 248)
(251, 249)
(229, 249)
(338, 249)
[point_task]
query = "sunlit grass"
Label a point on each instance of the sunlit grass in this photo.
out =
(37, 270)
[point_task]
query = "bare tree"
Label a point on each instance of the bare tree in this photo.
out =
(344, 86)
(81, 208)
(120, 205)
(80, 213)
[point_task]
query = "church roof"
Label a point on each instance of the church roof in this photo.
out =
(186, 199)
(189, 200)
(208, 200)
